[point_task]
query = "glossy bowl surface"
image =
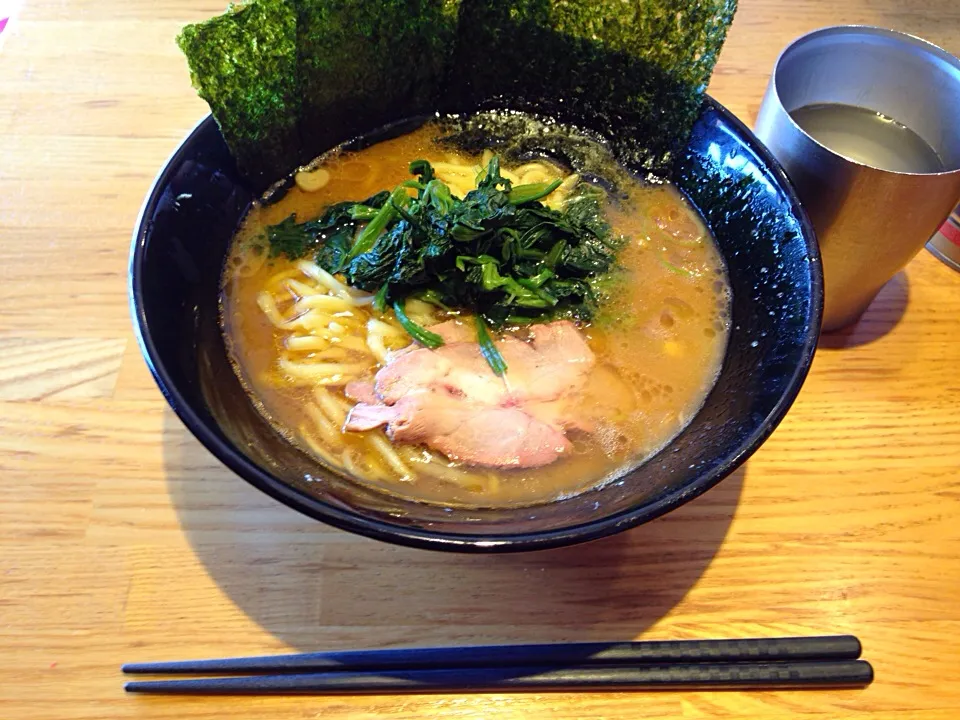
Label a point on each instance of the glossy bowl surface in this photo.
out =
(178, 249)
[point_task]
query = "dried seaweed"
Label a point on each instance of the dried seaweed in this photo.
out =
(244, 64)
(636, 69)
(365, 64)
(288, 79)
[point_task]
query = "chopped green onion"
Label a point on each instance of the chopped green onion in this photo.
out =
(418, 333)
(520, 320)
(676, 270)
(533, 191)
(380, 299)
(488, 349)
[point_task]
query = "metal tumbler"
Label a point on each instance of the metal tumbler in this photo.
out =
(870, 221)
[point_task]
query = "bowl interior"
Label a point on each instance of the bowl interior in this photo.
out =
(179, 246)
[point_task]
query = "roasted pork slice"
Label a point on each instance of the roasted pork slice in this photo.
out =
(449, 399)
(457, 368)
(561, 341)
(454, 331)
(563, 414)
(362, 391)
(554, 364)
(484, 435)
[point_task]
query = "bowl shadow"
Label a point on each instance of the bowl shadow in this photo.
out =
(315, 587)
(880, 317)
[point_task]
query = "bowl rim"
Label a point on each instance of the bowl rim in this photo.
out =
(386, 531)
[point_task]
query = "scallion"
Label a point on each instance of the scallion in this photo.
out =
(418, 333)
(488, 349)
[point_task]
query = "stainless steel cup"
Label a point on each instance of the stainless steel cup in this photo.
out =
(870, 222)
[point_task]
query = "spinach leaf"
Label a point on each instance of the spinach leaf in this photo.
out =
(498, 253)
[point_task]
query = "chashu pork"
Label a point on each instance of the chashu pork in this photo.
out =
(449, 399)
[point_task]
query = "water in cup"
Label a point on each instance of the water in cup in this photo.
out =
(868, 137)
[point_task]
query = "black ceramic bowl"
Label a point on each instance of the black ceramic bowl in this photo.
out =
(770, 249)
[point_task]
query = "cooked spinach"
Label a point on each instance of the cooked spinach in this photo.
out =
(331, 235)
(498, 252)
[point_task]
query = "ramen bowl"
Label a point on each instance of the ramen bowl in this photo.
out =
(179, 246)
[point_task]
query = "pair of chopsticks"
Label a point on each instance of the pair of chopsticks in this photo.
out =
(765, 663)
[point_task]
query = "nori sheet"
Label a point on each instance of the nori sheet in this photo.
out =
(637, 68)
(244, 64)
(365, 64)
(289, 79)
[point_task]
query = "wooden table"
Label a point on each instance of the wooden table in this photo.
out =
(122, 539)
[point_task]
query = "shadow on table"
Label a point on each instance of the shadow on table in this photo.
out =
(315, 587)
(882, 316)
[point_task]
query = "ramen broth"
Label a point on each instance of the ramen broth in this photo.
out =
(659, 339)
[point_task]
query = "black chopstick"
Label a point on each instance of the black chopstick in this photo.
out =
(707, 676)
(830, 647)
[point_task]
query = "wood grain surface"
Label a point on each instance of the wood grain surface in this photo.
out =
(122, 539)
